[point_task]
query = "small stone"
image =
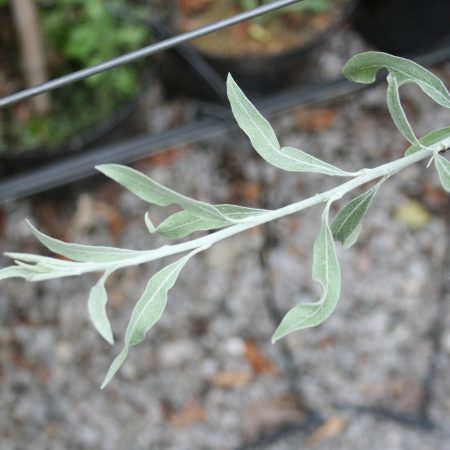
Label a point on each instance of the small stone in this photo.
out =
(209, 367)
(177, 352)
(64, 352)
(446, 342)
(234, 346)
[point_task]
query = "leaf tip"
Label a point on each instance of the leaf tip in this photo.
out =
(115, 366)
(278, 335)
(103, 168)
(149, 224)
(108, 336)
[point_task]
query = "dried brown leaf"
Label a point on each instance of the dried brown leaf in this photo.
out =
(231, 379)
(316, 119)
(328, 430)
(190, 415)
(258, 362)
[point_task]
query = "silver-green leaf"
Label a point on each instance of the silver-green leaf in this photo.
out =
(183, 223)
(151, 191)
(83, 253)
(397, 112)
(326, 272)
(443, 169)
(430, 140)
(148, 310)
(97, 308)
(364, 67)
(265, 142)
(347, 223)
(14, 272)
(115, 366)
(39, 268)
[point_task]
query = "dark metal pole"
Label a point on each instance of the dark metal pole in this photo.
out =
(143, 52)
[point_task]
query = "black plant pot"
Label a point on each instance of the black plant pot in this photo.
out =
(404, 27)
(257, 75)
(15, 161)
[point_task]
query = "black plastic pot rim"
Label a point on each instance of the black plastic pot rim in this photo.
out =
(82, 140)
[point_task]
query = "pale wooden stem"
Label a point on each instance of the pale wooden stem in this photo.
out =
(34, 64)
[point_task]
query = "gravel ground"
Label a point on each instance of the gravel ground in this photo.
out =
(374, 376)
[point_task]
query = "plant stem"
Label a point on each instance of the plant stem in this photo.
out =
(362, 177)
(366, 175)
(34, 61)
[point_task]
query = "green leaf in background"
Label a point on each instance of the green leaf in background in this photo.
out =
(347, 223)
(97, 308)
(151, 191)
(430, 139)
(443, 169)
(148, 310)
(364, 67)
(398, 113)
(326, 272)
(183, 223)
(83, 253)
(265, 142)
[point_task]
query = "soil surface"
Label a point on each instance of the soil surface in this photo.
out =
(376, 375)
(273, 34)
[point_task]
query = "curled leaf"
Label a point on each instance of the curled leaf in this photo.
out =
(364, 67)
(326, 272)
(398, 113)
(265, 142)
(347, 223)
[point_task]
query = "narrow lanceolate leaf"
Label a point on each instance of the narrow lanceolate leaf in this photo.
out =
(439, 137)
(115, 366)
(151, 191)
(265, 142)
(14, 272)
(97, 308)
(239, 213)
(82, 253)
(326, 272)
(397, 112)
(364, 67)
(443, 169)
(183, 223)
(38, 268)
(148, 310)
(151, 305)
(347, 224)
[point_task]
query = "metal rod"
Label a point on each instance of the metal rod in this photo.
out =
(143, 52)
